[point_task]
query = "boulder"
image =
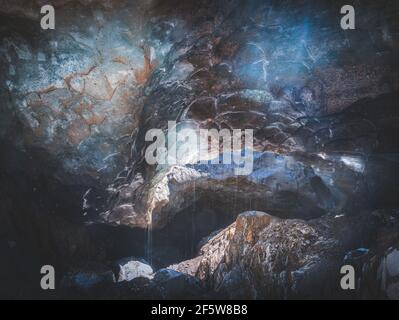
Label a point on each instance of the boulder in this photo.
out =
(87, 279)
(176, 285)
(128, 269)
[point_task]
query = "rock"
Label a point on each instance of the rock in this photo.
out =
(388, 274)
(81, 96)
(128, 269)
(262, 257)
(213, 251)
(392, 263)
(188, 267)
(176, 285)
(88, 278)
(315, 190)
(357, 254)
(307, 128)
(134, 281)
(393, 291)
(124, 214)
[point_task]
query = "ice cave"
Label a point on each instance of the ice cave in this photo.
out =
(77, 106)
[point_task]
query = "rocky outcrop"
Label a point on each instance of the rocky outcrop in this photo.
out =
(293, 184)
(264, 257)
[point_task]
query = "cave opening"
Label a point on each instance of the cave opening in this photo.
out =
(180, 239)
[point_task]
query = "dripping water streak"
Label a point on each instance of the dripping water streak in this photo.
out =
(192, 220)
(149, 239)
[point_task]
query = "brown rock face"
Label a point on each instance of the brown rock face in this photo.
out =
(263, 257)
(77, 91)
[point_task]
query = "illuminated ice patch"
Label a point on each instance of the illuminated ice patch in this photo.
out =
(355, 163)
